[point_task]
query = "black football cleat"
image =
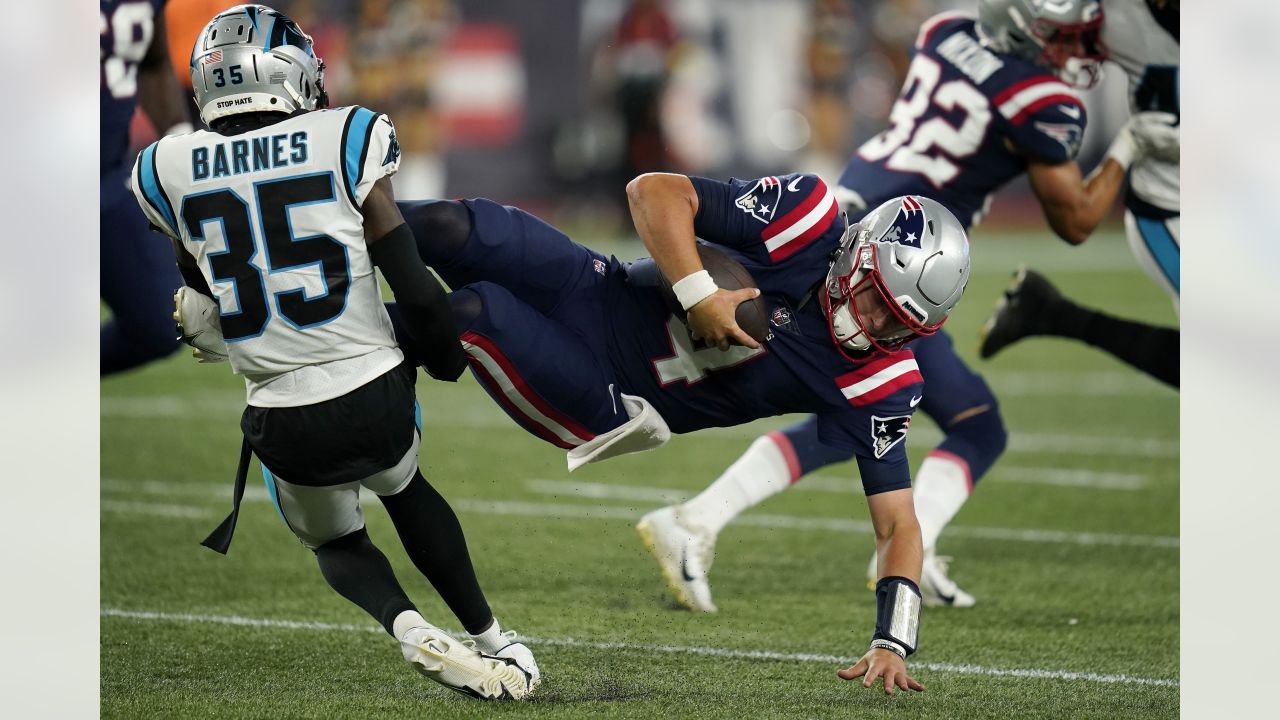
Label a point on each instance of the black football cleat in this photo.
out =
(1019, 313)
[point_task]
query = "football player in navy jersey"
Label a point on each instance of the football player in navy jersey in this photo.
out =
(582, 350)
(1141, 37)
(137, 274)
(985, 100)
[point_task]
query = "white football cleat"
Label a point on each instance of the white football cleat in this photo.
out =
(522, 656)
(936, 588)
(463, 669)
(685, 555)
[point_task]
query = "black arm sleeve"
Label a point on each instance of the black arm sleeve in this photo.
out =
(192, 278)
(422, 302)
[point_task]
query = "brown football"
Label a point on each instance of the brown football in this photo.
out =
(752, 315)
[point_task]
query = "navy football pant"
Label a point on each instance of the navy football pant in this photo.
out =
(530, 308)
(955, 397)
(138, 277)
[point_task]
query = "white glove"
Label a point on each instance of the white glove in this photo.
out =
(1147, 134)
(199, 325)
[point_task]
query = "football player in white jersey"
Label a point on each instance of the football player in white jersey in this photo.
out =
(1141, 36)
(279, 216)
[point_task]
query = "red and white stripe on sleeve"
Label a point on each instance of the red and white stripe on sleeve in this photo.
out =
(879, 378)
(805, 222)
(1021, 100)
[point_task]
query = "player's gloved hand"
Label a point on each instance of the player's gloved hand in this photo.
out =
(199, 325)
(1156, 135)
(1147, 134)
(713, 319)
(881, 663)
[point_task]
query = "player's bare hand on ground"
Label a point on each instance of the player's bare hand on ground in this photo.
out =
(879, 663)
(713, 319)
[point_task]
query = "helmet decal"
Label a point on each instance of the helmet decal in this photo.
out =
(907, 227)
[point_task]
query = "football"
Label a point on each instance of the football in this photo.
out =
(752, 316)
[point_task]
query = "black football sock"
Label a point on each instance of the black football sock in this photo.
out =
(1149, 348)
(353, 566)
(433, 539)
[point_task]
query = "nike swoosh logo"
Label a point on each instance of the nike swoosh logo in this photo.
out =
(794, 185)
(613, 399)
(684, 552)
(916, 400)
(1070, 111)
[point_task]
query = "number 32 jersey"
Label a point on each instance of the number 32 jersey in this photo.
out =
(967, 121)
(272, 217)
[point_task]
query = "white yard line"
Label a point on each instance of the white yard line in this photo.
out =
(952, 668)
(648, 496)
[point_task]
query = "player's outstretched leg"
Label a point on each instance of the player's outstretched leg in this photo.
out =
(434, 541)
(682, 537)
(1033, 306)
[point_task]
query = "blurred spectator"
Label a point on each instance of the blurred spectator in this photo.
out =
(395, 50)
(831, 48)
(639, 55)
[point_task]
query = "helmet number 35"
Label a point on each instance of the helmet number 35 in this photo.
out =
(929, 148)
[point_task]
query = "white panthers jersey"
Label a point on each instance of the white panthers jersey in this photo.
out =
(272, 217)
(1148, 52)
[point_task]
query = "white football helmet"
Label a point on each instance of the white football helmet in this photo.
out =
(1062, 35)
(897, 275)
(251, 58)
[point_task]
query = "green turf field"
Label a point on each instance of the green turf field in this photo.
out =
(1070, 545)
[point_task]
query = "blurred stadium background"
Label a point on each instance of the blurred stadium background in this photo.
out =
(554, 105)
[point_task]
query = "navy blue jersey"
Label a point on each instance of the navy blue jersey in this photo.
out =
(967, 121)
(783, 230)
(126, 29)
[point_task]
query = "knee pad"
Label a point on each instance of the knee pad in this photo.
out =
(440, 227)
(979, 440)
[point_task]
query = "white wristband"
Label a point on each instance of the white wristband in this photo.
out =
(181, 128)
(694, 288)
(1123, 148)
(893, 647)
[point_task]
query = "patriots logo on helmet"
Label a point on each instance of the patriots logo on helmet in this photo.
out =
(887, 432)
(908, 224)
(761, 201)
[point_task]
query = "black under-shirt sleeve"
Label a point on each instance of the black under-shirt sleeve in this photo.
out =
(423, 303)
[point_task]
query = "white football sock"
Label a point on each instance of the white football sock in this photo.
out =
(406, 621)
(763, 471)
(942, 486)
(491, 640)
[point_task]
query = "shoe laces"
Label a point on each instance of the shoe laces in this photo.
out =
(509, 635)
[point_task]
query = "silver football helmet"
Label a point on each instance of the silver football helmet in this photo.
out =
(251, 58)
(1063, 35)
(897, 275)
